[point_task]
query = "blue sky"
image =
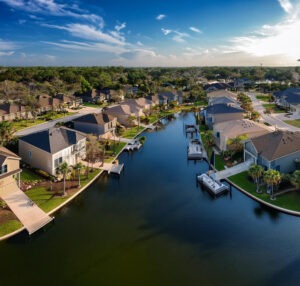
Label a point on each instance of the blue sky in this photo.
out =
(149, 33)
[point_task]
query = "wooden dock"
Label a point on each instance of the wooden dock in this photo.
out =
(112, 168)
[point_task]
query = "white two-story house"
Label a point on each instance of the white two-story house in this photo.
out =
(47, 149)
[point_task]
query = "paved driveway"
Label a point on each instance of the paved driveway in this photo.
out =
(51, 123)
(273, 119)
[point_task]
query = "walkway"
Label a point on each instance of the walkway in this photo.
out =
(239, 168)
(30, 215)
(273, 119)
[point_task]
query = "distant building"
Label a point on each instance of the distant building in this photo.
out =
(9, 167)
(47, 149)
(277, 150)
(226, 130)
(217, 113)
(96, 123)
(216, 86)
(11, 111)
(289, 99)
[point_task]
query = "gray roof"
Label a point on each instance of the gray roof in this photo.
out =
(54, 139)
(291, 95)
(277, 144)
(223, 108)
(95, 118)
(220, 100)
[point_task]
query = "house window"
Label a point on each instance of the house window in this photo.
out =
(58, 161)
(3, 169)
(29, 154)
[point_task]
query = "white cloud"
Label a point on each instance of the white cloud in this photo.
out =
(279, 40)
(120, 27)
(90, 32)
(179, 37)
(89, 46)
(22, 21)
(160, 17)
(50, 7)
(286, 5)
(7, 48)
(196, 30)
(166, 31)
(140, 43)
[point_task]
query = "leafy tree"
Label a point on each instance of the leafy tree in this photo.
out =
(256, 172)
(85, 85)
(6, 132)
(272, 178)
(295, 179)
(63, 169)
(78, 167)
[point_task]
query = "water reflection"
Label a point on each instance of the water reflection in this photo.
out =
(261, 210)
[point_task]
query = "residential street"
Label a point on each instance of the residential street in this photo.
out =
(273, 119)
(51, 123)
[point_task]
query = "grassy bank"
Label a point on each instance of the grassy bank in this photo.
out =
(289, 201)
(295, 123)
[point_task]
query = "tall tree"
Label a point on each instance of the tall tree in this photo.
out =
(78, 167)
(272, 178)
(63, 169)
(6, 132)
(295, 179)
(256, 172)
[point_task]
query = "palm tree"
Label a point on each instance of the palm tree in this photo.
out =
(295, 179)
(6, 132)
(235, 144)
(63, 169)
(256, 171)
(272, 178)
(78, 167)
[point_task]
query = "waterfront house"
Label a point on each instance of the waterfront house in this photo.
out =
(217, 113)
(289, 99)
(221, 93)
(245, 128)
(216, 86)
(9, 167)
(277, 150)
(10, 111)
(96, 123)
(47, 149)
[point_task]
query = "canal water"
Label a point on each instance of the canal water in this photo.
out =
(154, 226)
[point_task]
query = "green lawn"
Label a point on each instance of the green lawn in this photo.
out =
(47, 201)
(21, 124)
(9, 226)
(219, 163)
(29, 176)
(295, 123)
(89, 104)
(265, 98)
(131, 132)
(115, 148)
(275, 108)
(290, 201)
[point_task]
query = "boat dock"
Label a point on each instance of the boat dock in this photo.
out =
(112, 168)
(191, 129)
(134, 145)
(215, 187)
(195, 150)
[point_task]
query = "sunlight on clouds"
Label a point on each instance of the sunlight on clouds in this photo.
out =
(286, 5)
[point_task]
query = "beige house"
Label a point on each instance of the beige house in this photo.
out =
(10, 111)
(9, 167)
(125, 112)
(234, 128)
(221, 93)
(99, 124)
(47, 149)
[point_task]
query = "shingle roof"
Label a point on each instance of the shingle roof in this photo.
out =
(54, 139)
(221, 100)
(223, 108)
(277, 144)
(5, 153)
(291, 95)
(95, 118)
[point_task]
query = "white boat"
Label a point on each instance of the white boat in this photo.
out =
(212, 185)
(195, 149)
